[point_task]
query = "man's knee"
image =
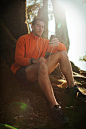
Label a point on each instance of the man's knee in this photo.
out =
(62, 54)
(43, 69)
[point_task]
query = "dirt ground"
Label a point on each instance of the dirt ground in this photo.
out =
(25, 106)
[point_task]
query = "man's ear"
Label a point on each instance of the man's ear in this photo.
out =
(32, 26)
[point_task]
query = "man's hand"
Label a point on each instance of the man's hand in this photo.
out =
(54, 42)
(41, 59)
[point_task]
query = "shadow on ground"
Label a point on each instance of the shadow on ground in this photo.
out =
(25, 106)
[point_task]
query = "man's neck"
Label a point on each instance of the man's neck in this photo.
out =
(35, 34)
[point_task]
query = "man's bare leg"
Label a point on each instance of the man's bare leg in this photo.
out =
(45, 84)
(41, 70)
(65, 65)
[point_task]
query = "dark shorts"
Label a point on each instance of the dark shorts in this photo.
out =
(21, 74)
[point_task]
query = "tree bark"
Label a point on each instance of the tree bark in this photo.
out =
(60, 20)
(14, 17)
(43, 12)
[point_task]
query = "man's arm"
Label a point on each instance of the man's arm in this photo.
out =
(54, 42)
(20, 58)
(55, 45)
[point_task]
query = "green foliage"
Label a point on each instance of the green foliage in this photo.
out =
(83, 58)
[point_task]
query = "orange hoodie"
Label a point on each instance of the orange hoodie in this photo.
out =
(30, 46)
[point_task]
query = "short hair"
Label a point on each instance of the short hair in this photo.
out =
(37, 18)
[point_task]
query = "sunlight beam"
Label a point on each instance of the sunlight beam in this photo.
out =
(76, 24)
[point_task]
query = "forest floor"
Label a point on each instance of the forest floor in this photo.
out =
(25, 107)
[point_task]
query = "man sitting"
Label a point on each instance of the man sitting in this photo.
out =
(30, 64)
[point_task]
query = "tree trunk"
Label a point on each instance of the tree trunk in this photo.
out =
(60, 20)
(14, 17)
(44, 13)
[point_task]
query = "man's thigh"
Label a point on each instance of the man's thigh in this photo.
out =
(21, 75)
(27, 74)
(32, 72)
(53, 61)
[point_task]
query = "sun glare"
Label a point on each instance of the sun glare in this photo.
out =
(76, 24)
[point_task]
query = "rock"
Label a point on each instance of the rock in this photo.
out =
(7, 44)
(75, 68)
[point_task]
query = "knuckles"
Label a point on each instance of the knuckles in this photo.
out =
(42, 59)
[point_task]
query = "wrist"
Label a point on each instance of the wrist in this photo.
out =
(31, 61)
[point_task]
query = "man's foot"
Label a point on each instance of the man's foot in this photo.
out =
(71, 90)
(58, 115)
(75, 92)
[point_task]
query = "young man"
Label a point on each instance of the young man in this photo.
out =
(30, 64)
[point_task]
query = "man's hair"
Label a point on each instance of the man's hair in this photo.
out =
(37, 18)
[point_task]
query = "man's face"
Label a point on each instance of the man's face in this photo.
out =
(38, 28)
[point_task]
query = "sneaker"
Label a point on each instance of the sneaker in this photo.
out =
(71, 90)
(58, 115)
(75, 92)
